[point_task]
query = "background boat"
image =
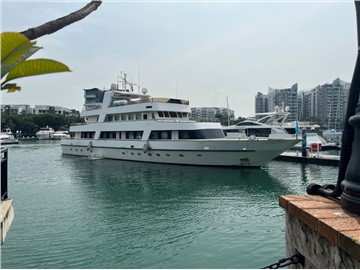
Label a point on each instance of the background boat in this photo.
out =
(45, 133)
(7, 137)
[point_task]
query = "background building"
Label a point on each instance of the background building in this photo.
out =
(38, 109)
(325, 104)
(329, 104)
(281, 98)
(210, 112)
(261, 103)
(21, 109)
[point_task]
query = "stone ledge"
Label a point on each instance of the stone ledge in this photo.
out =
(325, 216)
(7, 217)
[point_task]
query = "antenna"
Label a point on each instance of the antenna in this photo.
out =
(138, 74)
(227, 106)
(176, 81)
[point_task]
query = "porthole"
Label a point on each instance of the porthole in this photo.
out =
(181, 155)
(149, 154)
(139, 154)
(168, 155)
(132, 153)
(199, 155)
(158, 154)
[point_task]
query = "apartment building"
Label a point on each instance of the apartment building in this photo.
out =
(210, 112)
(287, 97)
(24, 109)
(324, 104)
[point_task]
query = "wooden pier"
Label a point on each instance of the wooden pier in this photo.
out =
(311, 158)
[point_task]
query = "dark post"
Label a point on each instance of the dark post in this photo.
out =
(350, 197)
(348, 184)
(4, 173)
(303, 142)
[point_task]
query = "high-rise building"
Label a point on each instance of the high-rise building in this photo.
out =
(330, 103)
(282, 98)
(324, 104)
(261, 103)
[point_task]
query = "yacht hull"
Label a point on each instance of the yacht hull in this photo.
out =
(216, 152)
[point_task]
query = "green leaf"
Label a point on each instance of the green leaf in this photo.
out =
(11, 87)
(15, 58)
(36, 67)
(15, 48)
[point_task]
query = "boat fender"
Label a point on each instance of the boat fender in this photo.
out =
(89, 147)
(146, 147)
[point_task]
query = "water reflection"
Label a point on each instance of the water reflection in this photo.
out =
(146, 179)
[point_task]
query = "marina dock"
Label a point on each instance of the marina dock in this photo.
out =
(311, 158)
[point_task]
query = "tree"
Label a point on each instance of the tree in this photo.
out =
(15, 49)
(55, 25)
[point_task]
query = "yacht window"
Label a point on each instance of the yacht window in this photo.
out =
(110, 118)
(184, 114)
(173, 114)
(166, 114)
(129, 135)
(108, 135)
(184, 134)
(138, 116)
(244, 123)
(153, 115)
(201, 134)
(160, 135)
(165, 135)
(160, 114)
(116, 118)
(154, 135)
(258, 132)
(138, 135)
(179, 114)
(87, 135)
(123, 117)
(144, 116)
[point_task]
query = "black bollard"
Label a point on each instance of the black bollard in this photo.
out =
(350, 197)
(303, 142)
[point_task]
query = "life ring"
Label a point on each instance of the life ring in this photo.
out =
(146, 147)
(89, 146)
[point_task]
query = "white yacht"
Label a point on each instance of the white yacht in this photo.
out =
(45, 133)
(122, 124)
(7, 137)
(274, 125)
(256, 128)
(58, 135)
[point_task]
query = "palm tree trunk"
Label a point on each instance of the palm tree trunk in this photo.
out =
(55, 25)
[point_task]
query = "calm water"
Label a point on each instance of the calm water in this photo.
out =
(74, 212)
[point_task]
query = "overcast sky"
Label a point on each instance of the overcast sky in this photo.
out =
(201, 51)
